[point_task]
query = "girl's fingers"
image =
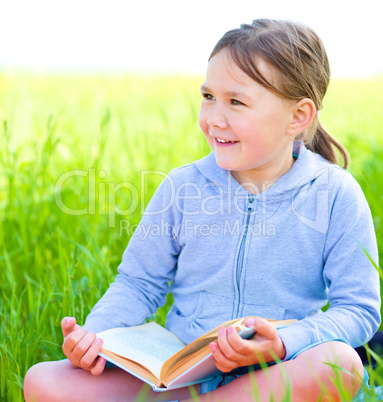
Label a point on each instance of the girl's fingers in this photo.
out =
(68, 325)
(236, 342)
(82, 348)
(71, 341)
(226, 348)
(221, 362)
(90, 357)
(265, 329)
(268, 344)
(98, 367)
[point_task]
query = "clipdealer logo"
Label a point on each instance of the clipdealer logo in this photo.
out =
(177, 197)
(189, 199)
(104, 192)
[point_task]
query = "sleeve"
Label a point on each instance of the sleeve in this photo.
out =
(352, 281)
(148, 265)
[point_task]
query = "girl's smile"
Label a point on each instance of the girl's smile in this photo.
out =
(222, 142)
(245, 124)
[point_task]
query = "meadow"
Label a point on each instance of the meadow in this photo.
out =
(68, 147)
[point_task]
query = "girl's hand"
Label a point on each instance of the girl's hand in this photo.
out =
(82, 347)
(231, 351)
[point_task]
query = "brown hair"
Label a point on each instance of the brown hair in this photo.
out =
(297, 54)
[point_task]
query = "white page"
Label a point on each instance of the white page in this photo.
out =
(148, 344)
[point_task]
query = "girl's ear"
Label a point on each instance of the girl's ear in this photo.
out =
(303, 115)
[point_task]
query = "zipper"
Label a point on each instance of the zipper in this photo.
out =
(241, 253)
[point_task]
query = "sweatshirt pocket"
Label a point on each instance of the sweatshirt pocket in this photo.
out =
(264, 311)
(210, 311)
(213, 310)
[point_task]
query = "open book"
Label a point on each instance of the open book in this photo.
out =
(158, 357)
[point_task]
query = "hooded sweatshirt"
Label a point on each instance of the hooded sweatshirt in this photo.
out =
(282, 253)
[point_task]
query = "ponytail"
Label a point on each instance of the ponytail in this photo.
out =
(323, 143)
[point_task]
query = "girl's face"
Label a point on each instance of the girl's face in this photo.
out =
(236, 108)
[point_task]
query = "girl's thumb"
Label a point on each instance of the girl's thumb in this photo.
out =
(67, 325)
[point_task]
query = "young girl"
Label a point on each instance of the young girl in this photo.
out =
(265, 225)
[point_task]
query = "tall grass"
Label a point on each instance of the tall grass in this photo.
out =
(109, 130)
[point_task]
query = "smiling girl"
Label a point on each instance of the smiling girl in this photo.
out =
(272, 160)
(249, 127)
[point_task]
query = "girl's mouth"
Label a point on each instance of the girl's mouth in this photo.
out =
(223, 143)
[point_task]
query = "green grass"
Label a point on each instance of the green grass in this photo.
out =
(110, 129)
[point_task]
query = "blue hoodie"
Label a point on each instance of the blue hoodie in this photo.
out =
(282, 253)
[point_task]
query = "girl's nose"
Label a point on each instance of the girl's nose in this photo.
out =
(216, 119)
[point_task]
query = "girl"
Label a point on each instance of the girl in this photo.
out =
(267, 225)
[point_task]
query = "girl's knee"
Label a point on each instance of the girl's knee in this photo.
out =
(347, 369)
(350, 356)
(33, 382)
(41, 381)
(334, 364)
(342, 355)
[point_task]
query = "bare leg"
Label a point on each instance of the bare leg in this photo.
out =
(309, 377)
(61, 381)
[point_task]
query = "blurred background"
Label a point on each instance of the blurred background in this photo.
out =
(98, 102)
(172, 36)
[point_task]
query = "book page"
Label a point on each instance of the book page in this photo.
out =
(198, 346)
(148, 344)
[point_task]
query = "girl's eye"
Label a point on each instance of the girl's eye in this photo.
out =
(208, 96)
(236, 102)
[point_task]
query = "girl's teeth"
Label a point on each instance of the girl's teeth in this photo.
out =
(219, 140)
